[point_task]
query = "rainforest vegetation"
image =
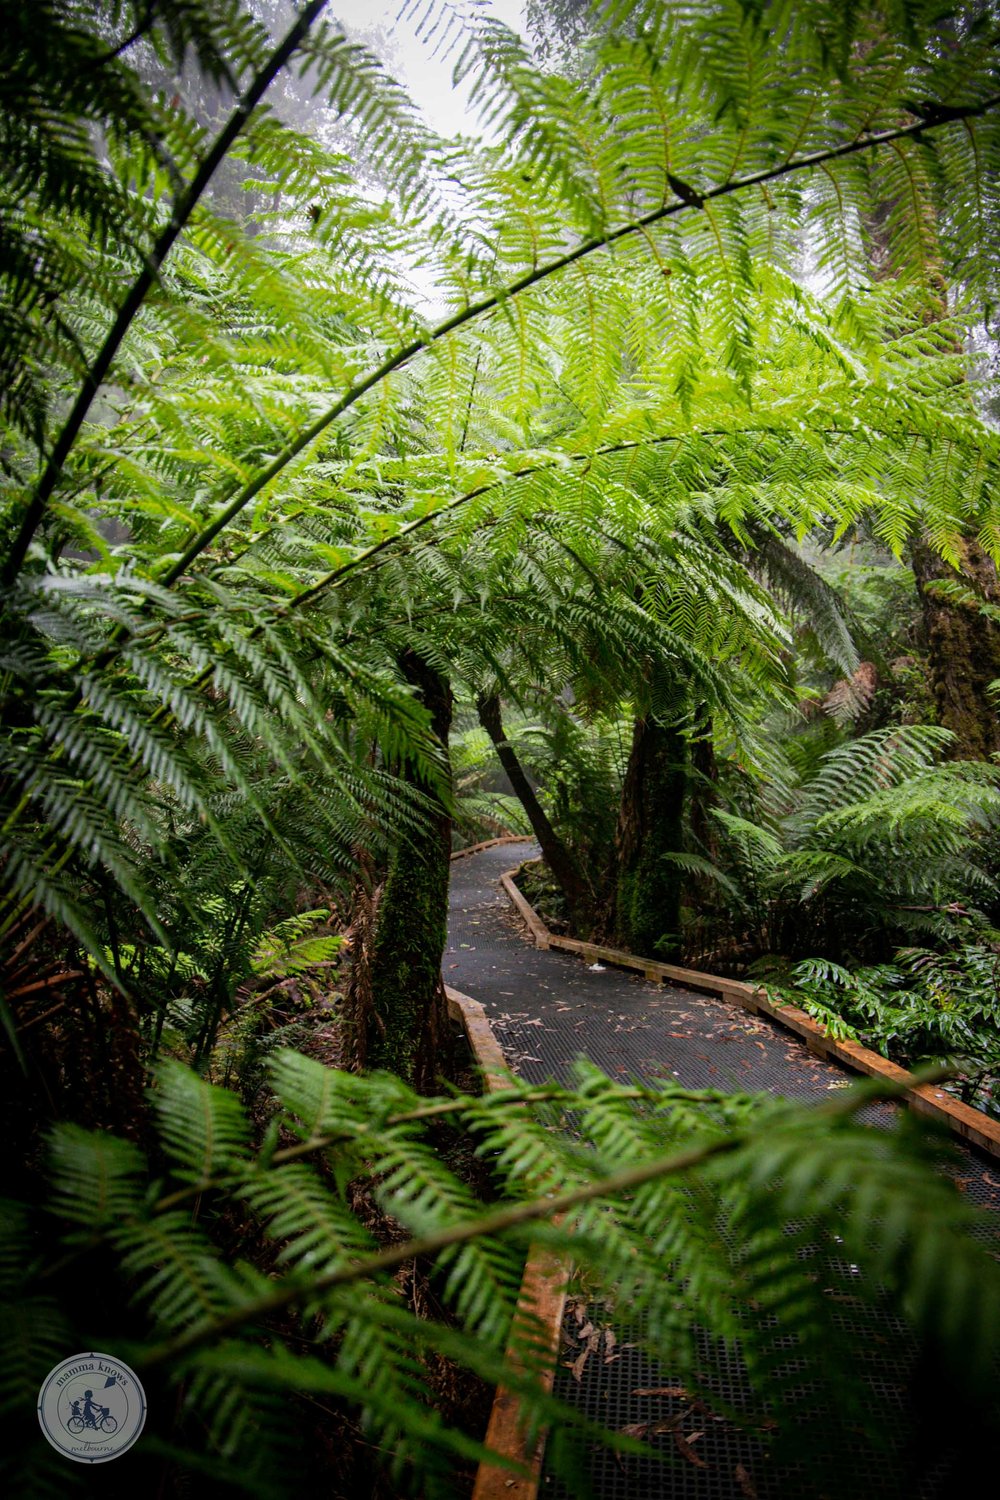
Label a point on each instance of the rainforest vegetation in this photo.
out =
(622, 471)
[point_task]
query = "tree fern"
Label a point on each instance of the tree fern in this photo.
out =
(924, 1005)
(241, 476)
(857, 848)
(643, 1233)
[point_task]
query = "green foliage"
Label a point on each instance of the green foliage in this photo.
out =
(580, 765)
(245, 466)
(928, 1006)
(198, 658)
(482, 809)
(879, 838)
(290, 949)
(721, 1193)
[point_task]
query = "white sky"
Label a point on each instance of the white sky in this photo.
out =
(427, 78)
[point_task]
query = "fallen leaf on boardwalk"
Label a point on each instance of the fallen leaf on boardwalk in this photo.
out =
(661, 1390)
(610, 1340)
(634, 1430)
(745, 1483)
(579, 1364)
(684, 1447)
(585, 1331)
(668, 1424)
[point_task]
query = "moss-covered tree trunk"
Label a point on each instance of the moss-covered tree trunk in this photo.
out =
(963, 645)
(650, 824)
(571, 882)
(405, 1018)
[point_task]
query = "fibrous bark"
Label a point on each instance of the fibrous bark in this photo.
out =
(701, 792)
(963, 645)
(406, 1020)
(650, 824)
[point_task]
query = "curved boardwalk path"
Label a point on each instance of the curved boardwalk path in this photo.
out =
(546, 1009)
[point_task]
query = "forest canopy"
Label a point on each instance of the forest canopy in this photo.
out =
(623, 471)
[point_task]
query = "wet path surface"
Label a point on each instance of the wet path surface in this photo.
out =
(549, 1008)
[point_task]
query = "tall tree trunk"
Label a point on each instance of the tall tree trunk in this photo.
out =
(964, 646)
(405, 1019)
(578, 896)
(702, 792)
(650, 824)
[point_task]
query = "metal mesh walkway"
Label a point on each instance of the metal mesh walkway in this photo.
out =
(547, 1009)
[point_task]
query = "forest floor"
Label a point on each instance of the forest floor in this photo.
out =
(547, 1009)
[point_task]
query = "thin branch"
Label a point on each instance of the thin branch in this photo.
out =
(184, 206)
(367, 554)
(140, 29)
(441, 1107)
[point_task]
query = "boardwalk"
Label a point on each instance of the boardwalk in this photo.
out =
(548, 1008)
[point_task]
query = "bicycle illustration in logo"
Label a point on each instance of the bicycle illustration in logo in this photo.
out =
(89, 1413)
(85, 1429)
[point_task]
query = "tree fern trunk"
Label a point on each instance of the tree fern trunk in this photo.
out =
(555, 853)
(964, 646)
(650, 824)
(702, 793)
(406, 1019)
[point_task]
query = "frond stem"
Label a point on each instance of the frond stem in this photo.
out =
(513, 1216)
(184, 206)
(532, 278)
(441, 1107)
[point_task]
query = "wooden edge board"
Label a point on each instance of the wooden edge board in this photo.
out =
(542, 1300)
(543, 938)
(485, 1047)
(969, 1124)
(505, 838)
